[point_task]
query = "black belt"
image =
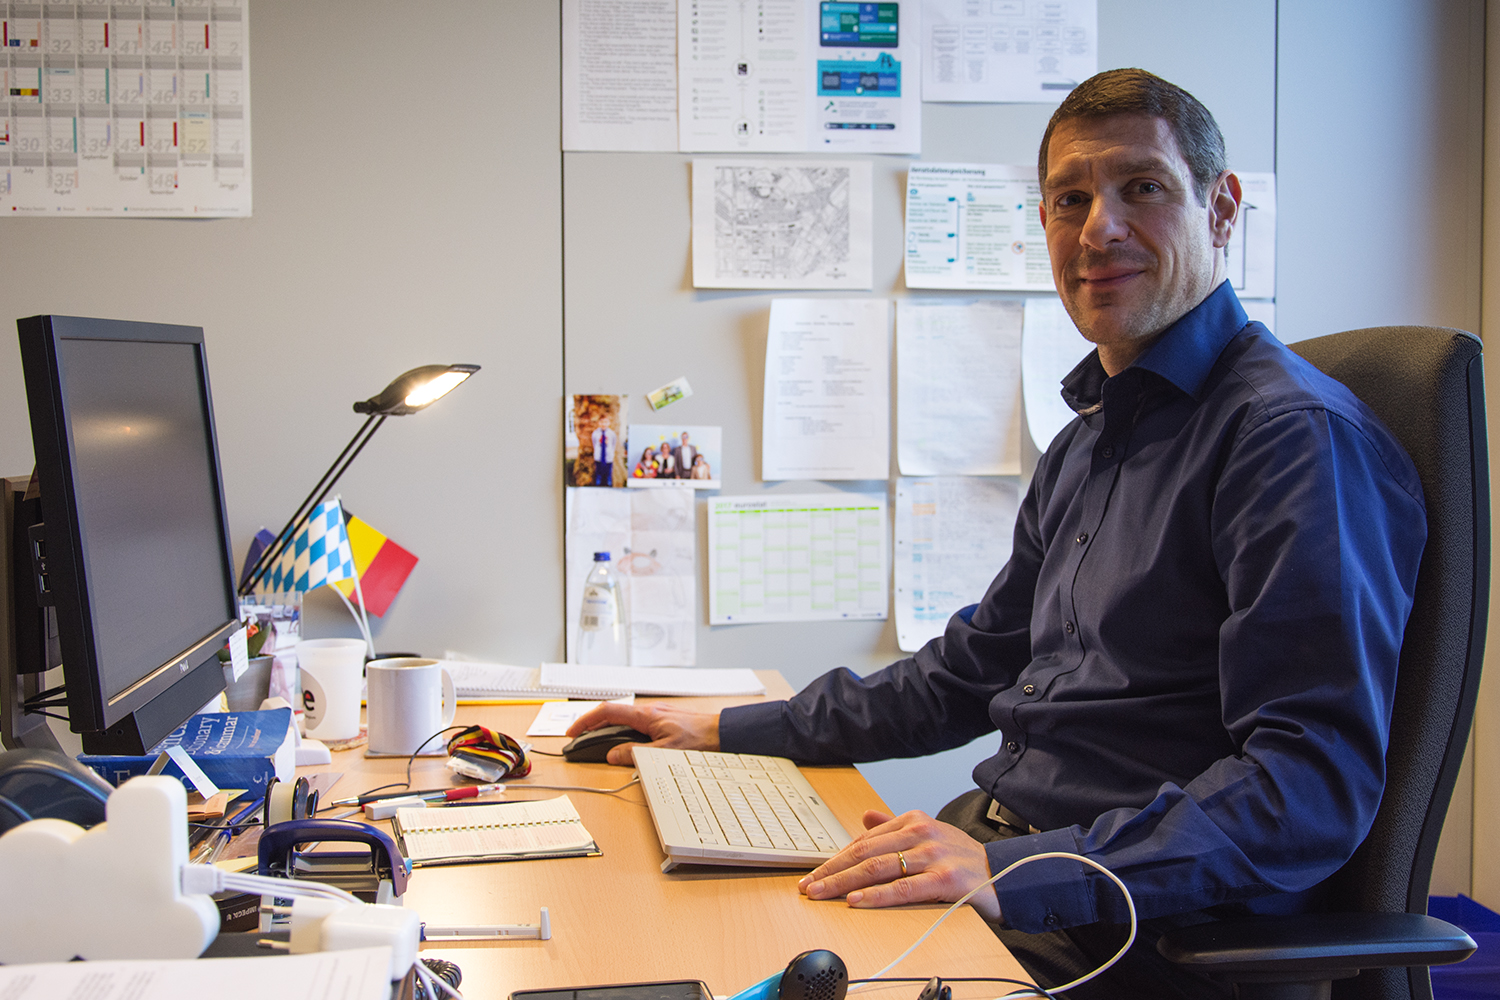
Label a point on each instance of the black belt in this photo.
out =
(1002, 816)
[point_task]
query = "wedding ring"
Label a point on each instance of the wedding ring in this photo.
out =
(902, 858)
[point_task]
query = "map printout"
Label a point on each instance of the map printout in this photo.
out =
(781, 224)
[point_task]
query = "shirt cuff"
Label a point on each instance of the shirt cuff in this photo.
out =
(759, 729)
(1043, 895)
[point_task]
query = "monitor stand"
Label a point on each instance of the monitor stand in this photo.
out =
(25, 628)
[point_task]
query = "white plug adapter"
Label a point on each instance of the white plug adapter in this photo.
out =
(331, 925)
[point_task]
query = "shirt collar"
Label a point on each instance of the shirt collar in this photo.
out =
(1183, 355)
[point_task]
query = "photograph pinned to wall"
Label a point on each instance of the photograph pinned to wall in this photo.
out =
(594, 441)
(675, 455)
(670, 393)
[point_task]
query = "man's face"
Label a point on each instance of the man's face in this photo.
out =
(1132, 250)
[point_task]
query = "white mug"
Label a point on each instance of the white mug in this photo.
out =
(332, 671)
(411, 700)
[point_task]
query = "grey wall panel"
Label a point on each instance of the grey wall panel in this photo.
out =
(1380, 134)
(406, 212)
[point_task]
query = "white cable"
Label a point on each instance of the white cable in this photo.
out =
(1129, 905)
(433, 982)
(209, 879)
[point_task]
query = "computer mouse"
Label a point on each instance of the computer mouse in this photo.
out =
(593, 746)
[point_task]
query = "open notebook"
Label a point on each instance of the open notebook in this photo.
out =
(504, 831)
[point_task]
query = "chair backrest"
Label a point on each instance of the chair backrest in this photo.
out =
(1426, 384)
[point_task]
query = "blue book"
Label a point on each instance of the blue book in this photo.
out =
(235, 750)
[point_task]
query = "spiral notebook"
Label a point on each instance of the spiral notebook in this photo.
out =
(504, 831)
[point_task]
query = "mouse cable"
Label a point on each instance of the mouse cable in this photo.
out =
(1065, 855)
(634, 779)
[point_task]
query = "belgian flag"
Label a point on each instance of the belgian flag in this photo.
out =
(382, 565)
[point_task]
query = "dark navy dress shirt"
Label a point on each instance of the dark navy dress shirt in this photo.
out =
(1191, 654)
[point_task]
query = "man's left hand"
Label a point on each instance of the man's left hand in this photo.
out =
(941, 864)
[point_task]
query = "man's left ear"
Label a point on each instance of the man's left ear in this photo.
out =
(1224, 207)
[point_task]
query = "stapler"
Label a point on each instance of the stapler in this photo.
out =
(376, 874)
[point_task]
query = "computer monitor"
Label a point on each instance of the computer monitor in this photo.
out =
(133, 550)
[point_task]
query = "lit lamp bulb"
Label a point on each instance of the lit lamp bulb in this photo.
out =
(415, 389)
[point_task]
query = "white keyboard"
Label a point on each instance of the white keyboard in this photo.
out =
(736, 809)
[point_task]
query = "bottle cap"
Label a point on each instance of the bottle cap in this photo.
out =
(601, 557)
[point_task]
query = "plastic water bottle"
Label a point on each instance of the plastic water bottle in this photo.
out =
(603, 631)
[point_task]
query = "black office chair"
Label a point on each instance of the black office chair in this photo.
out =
(1427, 385)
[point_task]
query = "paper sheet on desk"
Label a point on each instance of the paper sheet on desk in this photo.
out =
(554, 717)
(826, 413)
(958, 387)
(700, 682)
(357, 974)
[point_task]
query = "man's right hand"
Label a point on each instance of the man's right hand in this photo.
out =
(667, 725)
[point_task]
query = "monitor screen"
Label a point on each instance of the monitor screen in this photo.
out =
(146, 486)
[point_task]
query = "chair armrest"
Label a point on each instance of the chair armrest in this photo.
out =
(1326, 945)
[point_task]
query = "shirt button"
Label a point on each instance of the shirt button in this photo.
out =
(1108, 451)
(1029, 689)
(1083, 537)
(1013, 746)
(1051, 920)
(1068, 628)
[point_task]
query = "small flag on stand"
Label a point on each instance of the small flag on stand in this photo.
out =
(319, 554)
(383, 566)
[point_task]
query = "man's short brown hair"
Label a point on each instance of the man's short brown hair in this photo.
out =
(1136, 92)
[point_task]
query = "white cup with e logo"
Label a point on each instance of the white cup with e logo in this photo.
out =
(411, 700)
(331, 672)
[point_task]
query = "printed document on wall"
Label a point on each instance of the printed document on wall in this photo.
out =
(826, 412)
(1007, 50)
(1051, 347)
(782, 224)
(1251, 257)
(126, 110)
(958, 387)
(797, 558)
(953, 535)
(619, 78)
(651, 536)
(742, 76)
(975, 225)
(866, 87)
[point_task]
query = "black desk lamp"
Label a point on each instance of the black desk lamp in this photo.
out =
(410, 392)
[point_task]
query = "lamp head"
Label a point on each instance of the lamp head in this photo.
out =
(413, 390)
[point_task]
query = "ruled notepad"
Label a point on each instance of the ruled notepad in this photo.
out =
(504, 831)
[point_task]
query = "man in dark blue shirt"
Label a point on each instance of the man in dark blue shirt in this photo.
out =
(1191, 655)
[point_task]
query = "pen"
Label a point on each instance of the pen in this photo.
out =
(541, 930)
(427, 795)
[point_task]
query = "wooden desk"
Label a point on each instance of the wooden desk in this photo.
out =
(618, 919)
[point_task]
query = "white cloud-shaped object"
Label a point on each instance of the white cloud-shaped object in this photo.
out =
(110, 892)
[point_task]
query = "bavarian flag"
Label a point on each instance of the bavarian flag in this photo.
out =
(382, 565)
